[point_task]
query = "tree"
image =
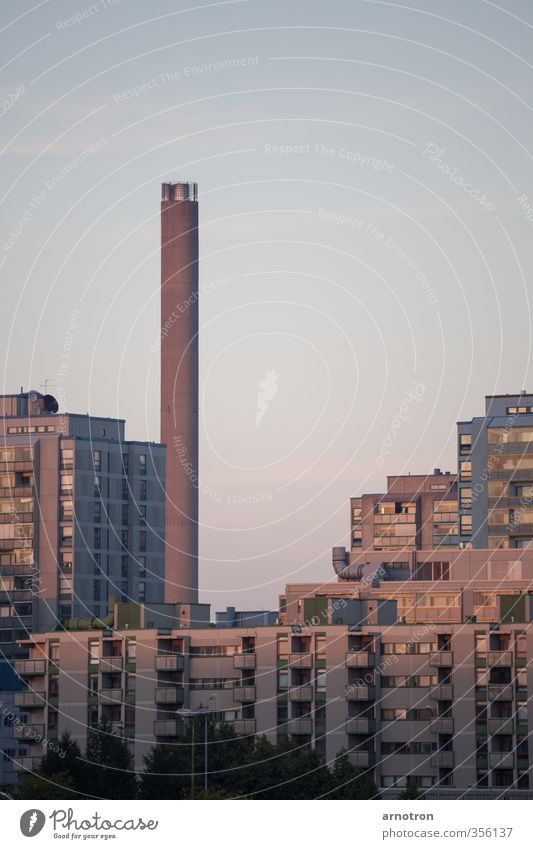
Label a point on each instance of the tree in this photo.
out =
(109, 768)
(34, 785)
(65, 758)
(348, 782)
(167, 772)
(411, 790)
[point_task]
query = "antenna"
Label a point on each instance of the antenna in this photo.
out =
(44, 385)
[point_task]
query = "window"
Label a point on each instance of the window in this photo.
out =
(142, 566)
(283, 680)
(465, 443)
(465, 470)
(283, 648)
(142, 491)
(142, 591)
(124, 566)
(124, 515)
(142, 540)
(142, 514)
(466, 525)
(97, 486)
(125, 463)
(465, 495)
(97, 511)
(142, 464)
(97, 538)
(96, 590)
(125, 492)
(97, 461)
(97, 560)
(131, 649)
(124, 539)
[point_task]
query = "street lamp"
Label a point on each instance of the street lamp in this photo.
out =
(192, 713)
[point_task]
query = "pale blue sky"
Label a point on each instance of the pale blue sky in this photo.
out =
(327, 116)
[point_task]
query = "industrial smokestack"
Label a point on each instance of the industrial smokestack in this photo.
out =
(179, 386)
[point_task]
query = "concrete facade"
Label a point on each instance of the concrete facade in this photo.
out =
(417, 511)
(495, 463)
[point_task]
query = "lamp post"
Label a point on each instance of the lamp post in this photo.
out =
(192, 713)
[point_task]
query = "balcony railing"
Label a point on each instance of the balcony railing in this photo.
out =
(356, 693)
(168, 728)
(442, 693)
(500, 692)
(441, 658)
(501, 725)
(29, 764)
(30, 667)
(360, 659)
(111, 664)
(303, 693)
(499, 658)
(244, 694)
(244, 726)
(362, 759)
(300, 726)
(300, 661)
(441, 726)
(169, 662)
(244, 660)
(357, 725)
(501, 760)
(169, 695)
(29, 698)
(115, 696)
(28, 732)
(442, 760)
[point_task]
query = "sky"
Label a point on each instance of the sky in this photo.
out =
(366, 212)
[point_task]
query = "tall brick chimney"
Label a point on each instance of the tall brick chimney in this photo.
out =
(179, 386)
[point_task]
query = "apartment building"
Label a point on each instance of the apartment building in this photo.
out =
(495, 462)
(417, 511)
(412, 674)
(81, 516)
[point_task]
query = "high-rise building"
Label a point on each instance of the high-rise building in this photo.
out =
(179, 386)
(81, 516)
(417, 511)
(495, 461)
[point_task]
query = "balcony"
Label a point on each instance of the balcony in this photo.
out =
(442, 760)
(114, 696)
(501, 725)
(29, 764)
(30, 667)
(501, 760)
(169, 662)
(441, 658)
(303, 693)
(301, 661)
(244, 694)
(244, 726)
(300, 726)
(360, 726)
(362, 759)
(168, 728)
(499, 658)
(442, 693)
(244, 660)
(111, 664)
(500, 692)
(169, 695)
(28, 698)
(441, 726)
(28, 732)
(360, 659)
(355, 693)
